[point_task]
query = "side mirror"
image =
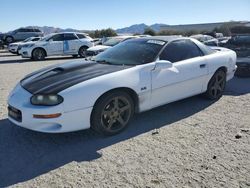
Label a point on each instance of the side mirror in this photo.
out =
(163, 64)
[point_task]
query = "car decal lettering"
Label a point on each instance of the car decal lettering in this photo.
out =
(156, 42)
(65, 45)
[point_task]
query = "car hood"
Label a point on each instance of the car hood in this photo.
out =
(98, 48)
(58, 78)
(16, 43)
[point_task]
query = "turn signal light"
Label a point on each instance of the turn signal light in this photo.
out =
(47, 116)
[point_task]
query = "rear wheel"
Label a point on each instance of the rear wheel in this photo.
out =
(38, 54)
(112, 113)
(82, 51)
(216, 85)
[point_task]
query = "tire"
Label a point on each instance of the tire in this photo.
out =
(82, 51)
(38, 54)
(112, 113)
(9, 39)
(216, 85)
(74, 56)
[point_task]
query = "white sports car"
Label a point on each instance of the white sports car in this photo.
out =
(132, 77)
(68, 43)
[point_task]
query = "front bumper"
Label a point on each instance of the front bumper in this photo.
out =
(13, 49)
(25, 52)
(19, 99)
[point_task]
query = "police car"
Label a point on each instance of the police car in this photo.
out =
(67, 43)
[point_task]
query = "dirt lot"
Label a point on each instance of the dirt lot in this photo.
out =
(190, 143)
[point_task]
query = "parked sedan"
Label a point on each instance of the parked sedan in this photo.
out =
(132, 77)
(68, 43)
(240, 44)
(206, 39)
(243, 67)
(110, 42)
(15, 47)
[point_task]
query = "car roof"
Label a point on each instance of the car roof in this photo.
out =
(164, 38)
(69, 32)
(124, 36)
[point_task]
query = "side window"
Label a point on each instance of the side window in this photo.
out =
(58, 37)
(80, 36)
(180, 50)
(243, 40)
(37, 30)
(21, 30)
(35, 39)
(69, 36)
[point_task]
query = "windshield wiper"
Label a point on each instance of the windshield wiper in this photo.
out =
(104, 62)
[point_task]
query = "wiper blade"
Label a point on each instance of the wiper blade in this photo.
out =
(104, 62)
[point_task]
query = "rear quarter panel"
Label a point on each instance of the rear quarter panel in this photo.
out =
(221, 58)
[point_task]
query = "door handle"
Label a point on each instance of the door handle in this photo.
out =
(202, 66)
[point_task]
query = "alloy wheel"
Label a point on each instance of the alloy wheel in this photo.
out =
(116, 114)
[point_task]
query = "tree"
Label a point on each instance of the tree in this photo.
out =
(103, 33)
(149, 31)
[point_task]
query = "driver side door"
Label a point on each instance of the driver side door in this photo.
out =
(55, 45)
(185, 78)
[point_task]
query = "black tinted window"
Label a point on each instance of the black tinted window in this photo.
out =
(58, 37)
(69, 36)
(81, 36)
(180, 50)
(37, 30)
(22, 30)
(35, 39)
(241, 40)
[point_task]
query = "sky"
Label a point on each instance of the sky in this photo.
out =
(99, 14)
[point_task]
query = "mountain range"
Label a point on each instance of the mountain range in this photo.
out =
(139, 28)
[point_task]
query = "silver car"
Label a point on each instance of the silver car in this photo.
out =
(21, 34)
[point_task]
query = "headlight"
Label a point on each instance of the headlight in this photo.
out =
(28, 45)
(46, 100)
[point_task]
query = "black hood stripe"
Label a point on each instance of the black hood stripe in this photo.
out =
(58, 78)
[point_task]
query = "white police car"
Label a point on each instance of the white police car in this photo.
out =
(67, 43)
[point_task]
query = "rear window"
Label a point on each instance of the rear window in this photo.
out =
(80, 36)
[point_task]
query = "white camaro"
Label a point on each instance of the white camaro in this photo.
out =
(68, 43)
(132, 77)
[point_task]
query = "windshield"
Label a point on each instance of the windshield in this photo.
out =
(26, 40)
(112, 41)
(46, 37)
(132, 52)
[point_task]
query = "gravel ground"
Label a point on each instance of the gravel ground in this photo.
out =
(190, 143)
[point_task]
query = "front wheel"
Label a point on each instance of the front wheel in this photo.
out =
(112, 113)
(216, 85)
(38, 54)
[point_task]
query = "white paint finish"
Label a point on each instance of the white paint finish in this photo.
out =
(154, 85)
(183, 79)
